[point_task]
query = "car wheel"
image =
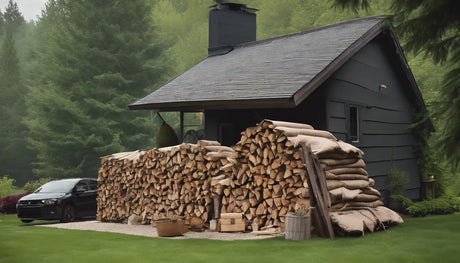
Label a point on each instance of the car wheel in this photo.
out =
(68, 214)
(27, 220)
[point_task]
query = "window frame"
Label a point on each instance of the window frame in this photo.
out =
(354, 138)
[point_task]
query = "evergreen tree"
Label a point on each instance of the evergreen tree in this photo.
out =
(2, 22)
(13, 17)
(97, 57)
(14, 155)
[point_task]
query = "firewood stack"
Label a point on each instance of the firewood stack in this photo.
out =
(221, 164)
(113, 187)
(166, 182)
(270, 180)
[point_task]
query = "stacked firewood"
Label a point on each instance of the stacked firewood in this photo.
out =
(116, 170)
(269, 181)
(165, 182)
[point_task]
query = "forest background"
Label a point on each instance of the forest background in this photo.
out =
(67, 78)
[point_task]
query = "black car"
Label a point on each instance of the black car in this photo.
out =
(65, 200)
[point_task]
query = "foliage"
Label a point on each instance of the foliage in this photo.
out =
(8, 195)
(8, 203)
(93, 59)
(405, 201)
(33, 185)
(13, 17)
(398, 181)
(2, 22)
(428, 159)
(7, 187)
(427, 239)
(438, 206)
(14, 155)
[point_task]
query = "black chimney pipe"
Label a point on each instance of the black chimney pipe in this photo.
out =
(230, 24)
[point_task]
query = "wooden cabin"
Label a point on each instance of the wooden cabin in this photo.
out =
(350, 78)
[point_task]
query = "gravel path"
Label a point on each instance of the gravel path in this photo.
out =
(149, 231)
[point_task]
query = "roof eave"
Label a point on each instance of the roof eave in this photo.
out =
(216, 105)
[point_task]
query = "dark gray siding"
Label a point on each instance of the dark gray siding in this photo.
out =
(311, 111)
(384, 114)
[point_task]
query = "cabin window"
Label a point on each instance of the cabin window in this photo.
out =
(353, 123)
(192, 126)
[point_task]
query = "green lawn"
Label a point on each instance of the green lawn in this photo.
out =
(429, 239)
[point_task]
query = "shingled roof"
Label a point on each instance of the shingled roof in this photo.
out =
(277, 72)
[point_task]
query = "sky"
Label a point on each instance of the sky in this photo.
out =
(30, 9)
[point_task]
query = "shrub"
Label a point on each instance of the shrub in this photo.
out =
(31, 186)
(406, 201)
(398, 181)
(438, 206)
(8, 203)
(7, 187)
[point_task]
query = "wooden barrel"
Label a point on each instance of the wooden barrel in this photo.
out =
(298, 227)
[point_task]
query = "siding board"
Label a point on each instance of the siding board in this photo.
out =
(384, 115)
(373, 154)
(375, 127)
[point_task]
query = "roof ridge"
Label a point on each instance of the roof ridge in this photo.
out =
(257, 42)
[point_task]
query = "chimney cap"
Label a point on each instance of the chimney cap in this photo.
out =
(234, 6)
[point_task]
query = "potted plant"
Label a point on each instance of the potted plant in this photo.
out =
(398, 181)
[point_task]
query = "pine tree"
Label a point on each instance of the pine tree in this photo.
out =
(2, 22)
(98, 57)
(14, 155)
(13, 17)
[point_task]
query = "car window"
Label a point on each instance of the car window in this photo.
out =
(82, 186)
(61, 186)
(92, 185)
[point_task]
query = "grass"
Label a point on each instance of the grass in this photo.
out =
(428, 239)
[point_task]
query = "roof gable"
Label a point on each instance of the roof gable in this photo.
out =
(276, 72)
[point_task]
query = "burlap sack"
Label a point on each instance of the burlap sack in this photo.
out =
(370, 191)
(343, 193)
(355, 184)
(352, 170)
(349, 221)
(317, 144)
(293, 132)
(345, 176)
(387, 215)
(369, 219)
(290, 124)
(342, 163)
(333, 184)
(366, 198)
(371, 182)
(356, 205)
(348, 148)
(337, 155)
